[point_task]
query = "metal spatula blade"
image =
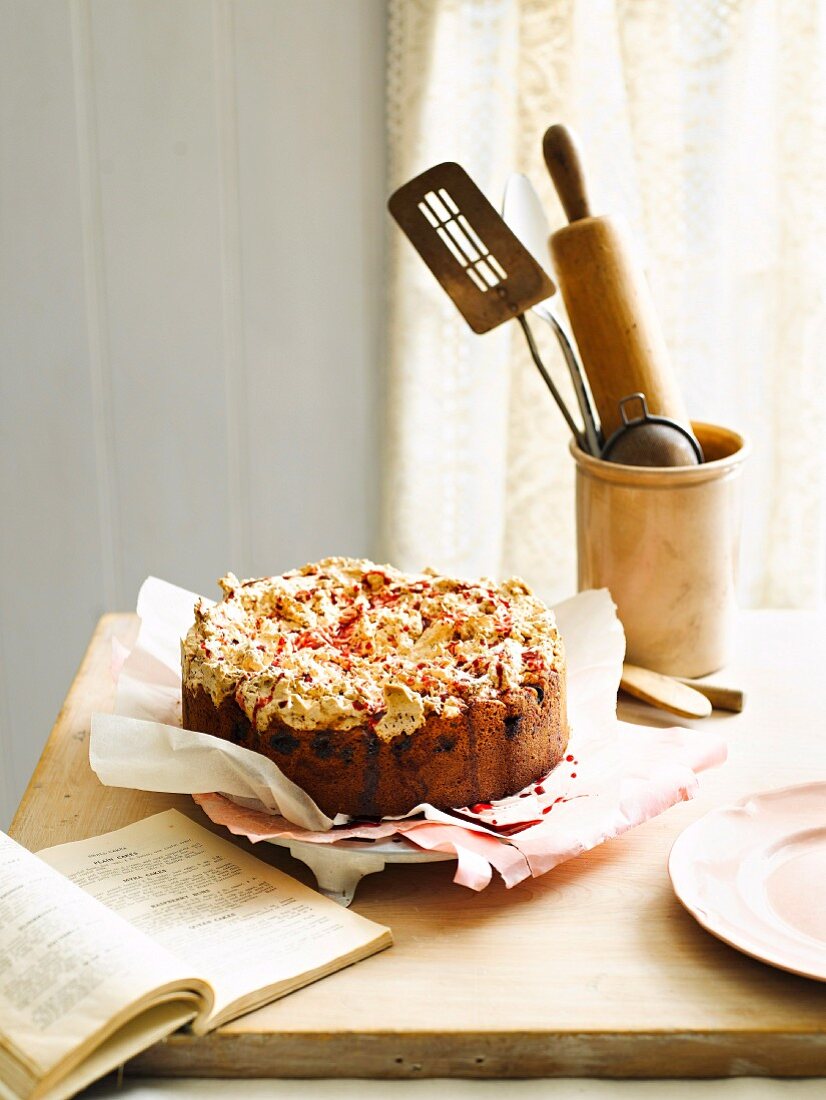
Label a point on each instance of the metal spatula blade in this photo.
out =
(487, 272)
(522, 212)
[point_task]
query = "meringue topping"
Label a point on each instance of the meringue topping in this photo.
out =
(344, 642)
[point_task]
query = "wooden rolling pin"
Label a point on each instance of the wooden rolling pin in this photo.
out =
(607, 299)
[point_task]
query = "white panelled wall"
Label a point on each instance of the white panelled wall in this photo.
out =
(191, 301)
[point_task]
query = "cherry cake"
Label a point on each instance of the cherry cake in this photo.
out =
(376, 690)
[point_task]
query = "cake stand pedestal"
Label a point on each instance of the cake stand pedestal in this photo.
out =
(339, 868)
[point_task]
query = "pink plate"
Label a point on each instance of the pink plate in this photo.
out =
(754, 875)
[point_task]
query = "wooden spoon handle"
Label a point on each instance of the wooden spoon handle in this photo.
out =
(566, 170)
(664, 692)
(721, 698)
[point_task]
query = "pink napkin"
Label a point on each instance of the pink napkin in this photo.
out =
(614, 776)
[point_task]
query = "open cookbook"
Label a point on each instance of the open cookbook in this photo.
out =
(110, 944)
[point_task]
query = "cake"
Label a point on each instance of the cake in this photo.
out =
(376, 690)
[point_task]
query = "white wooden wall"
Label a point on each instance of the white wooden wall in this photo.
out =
(191, 239)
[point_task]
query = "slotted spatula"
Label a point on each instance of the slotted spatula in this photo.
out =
(486, 271)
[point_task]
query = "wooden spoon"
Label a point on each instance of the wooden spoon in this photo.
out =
(664, 692)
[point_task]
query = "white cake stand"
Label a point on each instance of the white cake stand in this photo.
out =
(340, 867)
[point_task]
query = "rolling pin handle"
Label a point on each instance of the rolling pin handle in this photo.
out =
(566, 170)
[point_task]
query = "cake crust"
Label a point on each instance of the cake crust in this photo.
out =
(493, 749)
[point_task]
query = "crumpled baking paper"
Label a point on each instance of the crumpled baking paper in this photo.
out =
(615, 775)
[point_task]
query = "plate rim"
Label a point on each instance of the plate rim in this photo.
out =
(706, 921)
(360, 846)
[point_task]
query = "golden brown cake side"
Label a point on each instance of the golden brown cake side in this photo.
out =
(493, 749)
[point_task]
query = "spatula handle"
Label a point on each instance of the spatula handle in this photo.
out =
(566, 170)
(549, 382)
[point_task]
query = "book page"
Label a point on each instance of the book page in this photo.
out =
(242, 924)
(67, 965)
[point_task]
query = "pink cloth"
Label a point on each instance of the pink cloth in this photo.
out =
(477, 852)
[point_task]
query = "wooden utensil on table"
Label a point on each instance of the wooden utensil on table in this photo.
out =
(664, 692)
(607, 298)
(487, 272)
(720, 697)
(688, 698)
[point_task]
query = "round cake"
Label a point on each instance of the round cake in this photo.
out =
(376, 690)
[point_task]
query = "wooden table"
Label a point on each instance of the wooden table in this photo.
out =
(592, 970)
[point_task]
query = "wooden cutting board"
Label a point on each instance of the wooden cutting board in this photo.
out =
(592, 970)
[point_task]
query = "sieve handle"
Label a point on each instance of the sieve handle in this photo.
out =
(633, 397)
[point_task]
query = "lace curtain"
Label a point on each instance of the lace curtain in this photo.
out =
(702, 124)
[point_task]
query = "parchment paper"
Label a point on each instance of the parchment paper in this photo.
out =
(615, 775)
